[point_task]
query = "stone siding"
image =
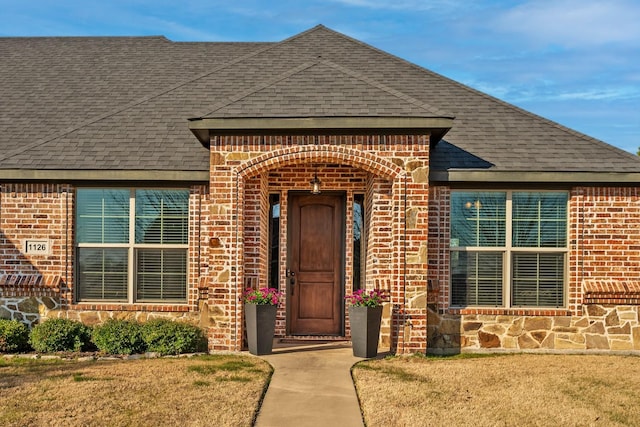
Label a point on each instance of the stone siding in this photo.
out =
(28, 310)
(96, 317)
(600, 328)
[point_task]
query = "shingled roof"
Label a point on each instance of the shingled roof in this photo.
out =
(119, 108)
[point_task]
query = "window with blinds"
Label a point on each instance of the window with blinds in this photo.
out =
(476, 278)
(508, 248)
(132, 245)
(103, 274)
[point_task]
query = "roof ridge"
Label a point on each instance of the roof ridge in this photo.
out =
(146, 98)
(304, 33)
(390, 90)
(306, 65)
(262, 85)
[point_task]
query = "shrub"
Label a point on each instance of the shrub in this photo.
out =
(167, 337)
(119, 337)
(60, 335)
(14, 336)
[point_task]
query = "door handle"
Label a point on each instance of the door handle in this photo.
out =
(292, 280)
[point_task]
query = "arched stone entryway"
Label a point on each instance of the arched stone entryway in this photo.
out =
(387, 183)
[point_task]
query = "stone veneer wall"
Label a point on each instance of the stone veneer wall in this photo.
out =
(28, 310)
(32, 310)
(600, 327)
(96, 317)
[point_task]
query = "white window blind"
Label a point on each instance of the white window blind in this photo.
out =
(103, 216)
(162, 217)
(102, 274)
(476, 278)
(538, 279)
(161, 274)
(478, 218)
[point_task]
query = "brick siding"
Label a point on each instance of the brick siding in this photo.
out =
(407, 246)
(384, 167)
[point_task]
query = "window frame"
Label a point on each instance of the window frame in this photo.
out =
(508, 249)
(132, 251)
(273, 240)
(358, 264)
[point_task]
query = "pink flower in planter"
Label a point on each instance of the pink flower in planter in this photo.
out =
(262, 296)
(364, 298)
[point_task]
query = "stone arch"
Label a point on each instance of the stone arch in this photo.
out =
(369, 162)
(317, 153)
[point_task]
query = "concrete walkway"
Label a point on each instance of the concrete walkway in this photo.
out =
(311, 386)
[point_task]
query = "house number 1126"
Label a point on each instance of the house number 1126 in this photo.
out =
(37, 247)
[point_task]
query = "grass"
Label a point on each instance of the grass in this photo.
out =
(224, 390)
(505, 390)
(465, 390)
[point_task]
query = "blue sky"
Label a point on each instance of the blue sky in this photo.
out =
(576, 62)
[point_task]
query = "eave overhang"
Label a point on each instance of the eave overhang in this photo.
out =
(544, 177)
(202, 128)
(103, 175)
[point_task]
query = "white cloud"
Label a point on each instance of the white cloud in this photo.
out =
(410, 5)
(617, 94)
(574, 23)
(177, 31)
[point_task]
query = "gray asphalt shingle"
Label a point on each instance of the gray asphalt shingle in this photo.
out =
(124, 103)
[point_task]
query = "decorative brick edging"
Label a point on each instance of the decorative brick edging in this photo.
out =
(16, 285)
(95, 317)
(618, 292)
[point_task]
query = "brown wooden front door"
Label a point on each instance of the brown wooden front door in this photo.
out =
(315, 264)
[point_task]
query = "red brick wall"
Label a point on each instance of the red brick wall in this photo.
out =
(36, 211)
(344, 162)
(228, 222)
(439, 235)
(253, 248)
(46, 211)
(296, 178)
(605, 236)
(604, 240)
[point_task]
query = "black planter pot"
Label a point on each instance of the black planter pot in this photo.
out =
(365, 330)
(261, 325)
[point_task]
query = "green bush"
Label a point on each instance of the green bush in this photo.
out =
(167, 337)
(60, 335)
(14, 336)
(119, 337)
